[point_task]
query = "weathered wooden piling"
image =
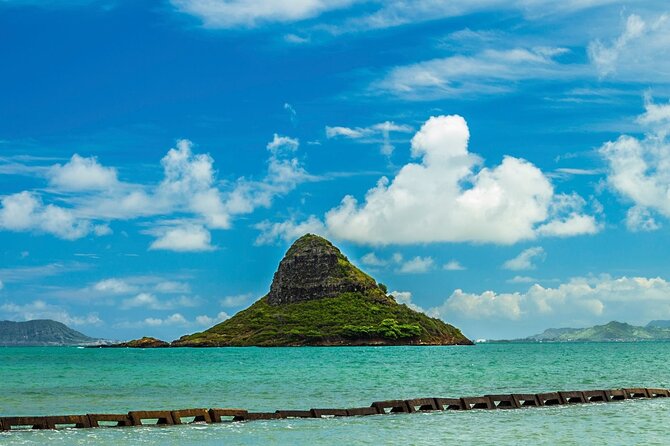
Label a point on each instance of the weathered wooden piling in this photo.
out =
(219, 415)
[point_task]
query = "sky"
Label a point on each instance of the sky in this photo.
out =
(501, 165)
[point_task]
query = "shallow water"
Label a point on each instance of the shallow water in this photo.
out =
(51, 381)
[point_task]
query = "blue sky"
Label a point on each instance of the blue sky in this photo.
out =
(503, 165)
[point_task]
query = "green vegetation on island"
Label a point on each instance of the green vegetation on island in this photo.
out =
(318, 297)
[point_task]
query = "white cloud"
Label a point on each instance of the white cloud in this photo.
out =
(236, 300)
(639, 54)
(488, 72)
(405, 298)
(526, 259)
(253, 13)
(114, 286)
(148, 300)
(186, 238)
(189, 188)
(280, 143)
(639, 169)
(82, 174)
(25, 211)
(446, 198)
(173, 319)
(640, 219)
(375, 134)
(453, 265)
(209, 321)
(417, 265)
(371, 259)
(585, 299)
(39, 309)
(171, 287)
(288, 230)
(522, 279)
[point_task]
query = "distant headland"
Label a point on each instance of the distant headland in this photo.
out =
(43, 332)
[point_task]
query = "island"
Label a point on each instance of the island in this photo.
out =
(43, 332)
(319, 298)
(611, 332)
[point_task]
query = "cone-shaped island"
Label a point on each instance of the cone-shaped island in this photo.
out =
(318, 297)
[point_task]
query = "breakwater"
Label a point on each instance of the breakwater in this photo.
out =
(219, 415)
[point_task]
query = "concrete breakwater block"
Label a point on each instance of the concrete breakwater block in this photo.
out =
(596, 396)
(503, 401)
(198, 415)
(573, 397)
(295, 413)
(325, 413)
(391, 406)
(252, 416)
(121, 419)
(50, 422)
(636, 393)
(476, 402)
(362, 411)
(421, 404)
(526, 400)
(658, 393)
(162, 417)
(221, 415)
(449, 404)
(550, 399)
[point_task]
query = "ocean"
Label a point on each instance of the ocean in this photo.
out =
(66, 380)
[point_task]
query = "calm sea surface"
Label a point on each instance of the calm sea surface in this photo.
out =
(55, 381)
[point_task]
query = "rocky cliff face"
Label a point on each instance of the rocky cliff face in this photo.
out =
(315, 269)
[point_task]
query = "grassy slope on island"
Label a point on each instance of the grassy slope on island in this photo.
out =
(350, 318)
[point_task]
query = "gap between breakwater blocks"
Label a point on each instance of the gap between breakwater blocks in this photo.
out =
(220, 415)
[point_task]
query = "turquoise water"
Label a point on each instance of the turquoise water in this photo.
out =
(52, 381)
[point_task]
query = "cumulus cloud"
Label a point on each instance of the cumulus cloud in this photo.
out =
(405, 298)
(288, 230)
(584, 299)
(82, 174)
(639, 54)
(148, 300)
(189, 188)
(526, 259)
(185, 238)
(639, 169)
(114, 286)
(453, 265)
(416, 265)
(25, 211)
(448, 197)
(371, 259)
(252, 13)
(39, 309)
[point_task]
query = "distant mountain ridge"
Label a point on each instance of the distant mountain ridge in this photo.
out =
(42, 332)
(613, 331)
